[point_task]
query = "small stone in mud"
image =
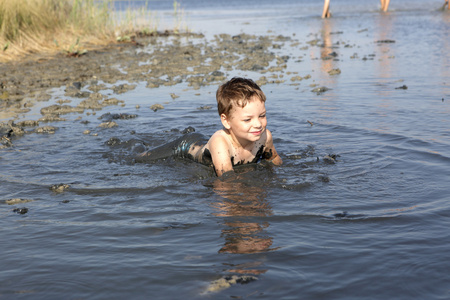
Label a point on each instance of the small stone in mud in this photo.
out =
(87, 131)
(21, 211)
(156, 107)
(334, 72)
(320, 90)
(46, 129)
(17, 201)
(59, 188)
(110, 124)
(174, 96)
(403, 87)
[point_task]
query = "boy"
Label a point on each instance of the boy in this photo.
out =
(243, 139)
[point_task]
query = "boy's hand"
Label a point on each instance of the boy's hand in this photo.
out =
(270, 149)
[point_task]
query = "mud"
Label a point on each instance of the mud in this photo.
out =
(160, 60)
(59, 188)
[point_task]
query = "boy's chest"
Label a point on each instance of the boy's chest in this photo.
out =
(243, 156)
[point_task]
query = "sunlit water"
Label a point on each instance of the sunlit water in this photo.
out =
(373, 225)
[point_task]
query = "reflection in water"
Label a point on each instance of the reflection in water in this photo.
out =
(384, 31)
(327, 46)
(326, 59)
(243, 206)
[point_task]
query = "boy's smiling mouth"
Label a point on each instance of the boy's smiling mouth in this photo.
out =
(256, 132)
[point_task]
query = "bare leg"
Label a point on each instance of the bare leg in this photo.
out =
(384, 5)
(180, 147)
(326, 9)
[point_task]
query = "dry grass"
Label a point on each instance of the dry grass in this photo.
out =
(51, 26)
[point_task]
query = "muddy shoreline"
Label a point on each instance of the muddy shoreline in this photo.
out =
(165, 59)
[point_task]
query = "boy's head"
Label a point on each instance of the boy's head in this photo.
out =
(237, 93)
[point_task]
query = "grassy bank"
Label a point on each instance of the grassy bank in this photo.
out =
(50, 26)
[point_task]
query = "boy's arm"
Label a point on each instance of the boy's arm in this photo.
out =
(271, 154)
(220, 154)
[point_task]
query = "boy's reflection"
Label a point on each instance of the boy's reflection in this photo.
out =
(243, 206)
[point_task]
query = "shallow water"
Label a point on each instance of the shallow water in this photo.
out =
(372, 225)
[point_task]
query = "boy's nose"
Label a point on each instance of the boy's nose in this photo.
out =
(257, 123)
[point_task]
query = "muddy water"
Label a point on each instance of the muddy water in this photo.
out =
(369, 222)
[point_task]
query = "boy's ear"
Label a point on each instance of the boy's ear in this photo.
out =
(224, 120)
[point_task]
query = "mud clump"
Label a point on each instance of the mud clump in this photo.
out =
(109, 124)
(334, 72)
(59, 188)
(8, 131)
(227, 281)
(123, 88)
(331, 158)
(122, 116)
(15, 201)
(60, 110)
(20, 211)
(156, 107)
(51, 118)
(46, 129)
(320, 90)
(161, 59)
(28, 123)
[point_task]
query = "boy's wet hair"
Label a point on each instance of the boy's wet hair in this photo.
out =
(237, 92)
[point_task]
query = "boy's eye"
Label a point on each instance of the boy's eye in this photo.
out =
(247, 120)
(262, 116)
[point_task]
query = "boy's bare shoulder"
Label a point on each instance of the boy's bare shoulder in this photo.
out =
(219, 135)
(268, 136)
(218, 140)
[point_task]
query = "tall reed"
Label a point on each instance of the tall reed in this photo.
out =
(28, 26)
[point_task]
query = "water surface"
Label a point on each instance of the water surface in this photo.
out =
(373, 225)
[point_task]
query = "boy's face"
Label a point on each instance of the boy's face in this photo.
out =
(247, 123)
